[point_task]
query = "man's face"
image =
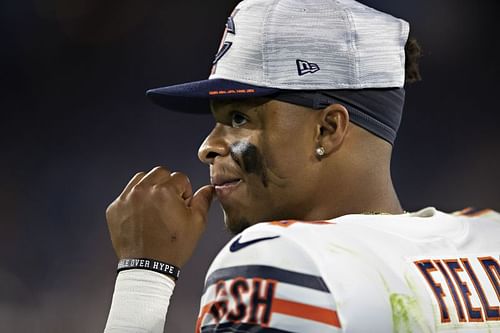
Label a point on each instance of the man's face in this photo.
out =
(262, 161)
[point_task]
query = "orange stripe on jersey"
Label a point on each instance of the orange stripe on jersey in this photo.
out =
(305, 311)
(472, 212)
(204, 311)
(464, 211)
(481, 212)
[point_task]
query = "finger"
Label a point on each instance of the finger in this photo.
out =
(137, 178)
(181, 184)
(202, 199)
(156, 176)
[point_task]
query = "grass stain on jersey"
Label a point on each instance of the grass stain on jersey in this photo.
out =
(403, 307)
(417, 314)
(406, 314)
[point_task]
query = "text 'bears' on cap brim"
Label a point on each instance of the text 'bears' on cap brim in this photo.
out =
(193, 97)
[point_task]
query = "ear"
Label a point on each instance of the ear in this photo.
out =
(333, 123)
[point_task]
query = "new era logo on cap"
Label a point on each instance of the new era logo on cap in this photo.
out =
(305, 67)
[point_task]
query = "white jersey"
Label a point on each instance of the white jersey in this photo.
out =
(417, 272)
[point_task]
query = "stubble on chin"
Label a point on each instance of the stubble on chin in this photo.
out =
(236, 225)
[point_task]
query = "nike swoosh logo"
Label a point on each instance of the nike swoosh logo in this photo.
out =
(236, 246)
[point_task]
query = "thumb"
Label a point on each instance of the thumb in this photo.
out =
(202, 200)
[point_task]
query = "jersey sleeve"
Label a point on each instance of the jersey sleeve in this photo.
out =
(264, 281)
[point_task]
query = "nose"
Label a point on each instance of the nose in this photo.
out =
(215, 145)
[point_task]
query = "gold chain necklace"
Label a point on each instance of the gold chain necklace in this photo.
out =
(381, 213)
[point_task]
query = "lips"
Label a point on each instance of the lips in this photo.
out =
(224, 180)
(225, 184)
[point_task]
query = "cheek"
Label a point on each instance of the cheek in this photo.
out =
(287, 153)
(291, 178)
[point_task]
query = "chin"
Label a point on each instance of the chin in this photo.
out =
(235, 225)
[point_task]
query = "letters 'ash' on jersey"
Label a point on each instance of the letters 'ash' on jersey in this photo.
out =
(419, 272)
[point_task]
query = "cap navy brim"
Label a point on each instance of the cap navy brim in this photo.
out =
(193, 97)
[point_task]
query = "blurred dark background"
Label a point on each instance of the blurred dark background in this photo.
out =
(75, 126)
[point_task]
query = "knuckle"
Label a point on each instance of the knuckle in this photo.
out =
(160, 169)
(139, 174)
(180, 177)
(139, 187)
(157, 189)
(136, 193)
(179, 174)
(165, 190)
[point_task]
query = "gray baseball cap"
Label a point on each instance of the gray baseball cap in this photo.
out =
(274, 45)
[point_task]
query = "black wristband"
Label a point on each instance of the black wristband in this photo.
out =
(151, 265)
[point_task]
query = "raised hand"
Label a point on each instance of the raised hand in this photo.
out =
(158, 217)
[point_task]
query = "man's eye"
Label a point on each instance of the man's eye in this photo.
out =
(237, 119)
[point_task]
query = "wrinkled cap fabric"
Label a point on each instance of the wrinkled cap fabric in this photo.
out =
(299, 45)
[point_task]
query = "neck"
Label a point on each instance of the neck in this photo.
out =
(363, 196)
(360, 186)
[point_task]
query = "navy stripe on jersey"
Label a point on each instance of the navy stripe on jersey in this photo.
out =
(267, 272)
(239, 328)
